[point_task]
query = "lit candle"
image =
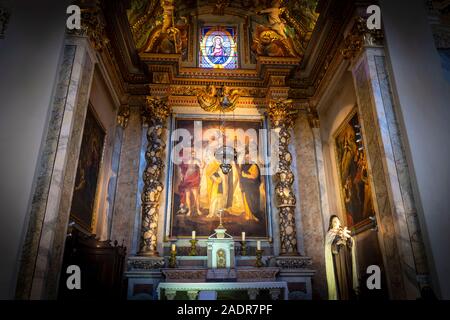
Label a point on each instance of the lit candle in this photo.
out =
(174, 247)
(258, 245)
(243, 236)
(193, 235)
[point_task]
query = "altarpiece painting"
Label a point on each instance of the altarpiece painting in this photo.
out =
(200, 190)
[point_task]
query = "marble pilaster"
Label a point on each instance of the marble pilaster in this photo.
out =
(310, 198)
(112, 182)
(402, 244)
(127, 181)
(42, 250)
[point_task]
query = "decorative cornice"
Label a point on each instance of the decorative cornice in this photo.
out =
(145, 263)
(286, 262)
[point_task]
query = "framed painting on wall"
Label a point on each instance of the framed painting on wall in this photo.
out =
(199, 190)
(88, 170)
(352, 167)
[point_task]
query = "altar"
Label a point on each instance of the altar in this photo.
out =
(213, 271)
(274, 289)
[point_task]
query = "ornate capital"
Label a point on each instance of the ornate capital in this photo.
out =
(92, 24)
(282, 113)
(156, 109)
(4, 19)
(359, 37)
(122, 116)
(313, 118)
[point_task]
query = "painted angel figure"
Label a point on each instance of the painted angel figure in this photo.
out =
(276, 23)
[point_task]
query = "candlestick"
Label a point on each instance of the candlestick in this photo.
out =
(243, 248)
(258, 245)
(193, 250)
(243, 236)
(259, 262)
(173, 256)
(193, 235)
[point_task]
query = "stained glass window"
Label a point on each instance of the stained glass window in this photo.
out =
(218, 48)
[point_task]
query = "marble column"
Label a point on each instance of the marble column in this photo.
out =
(282, 115)
(156, 114)
(400, 236)
(43, 247)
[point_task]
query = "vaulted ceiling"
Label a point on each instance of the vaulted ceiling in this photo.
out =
(314, 31)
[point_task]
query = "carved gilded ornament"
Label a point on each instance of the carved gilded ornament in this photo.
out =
(156, 113)
(92, 25)
(282, 114)
(359, 37)
(289, 29)
(122, 116)
(268, 42)
(213, 99)
(167, 36)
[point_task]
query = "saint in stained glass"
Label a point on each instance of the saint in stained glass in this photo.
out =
(218, 48)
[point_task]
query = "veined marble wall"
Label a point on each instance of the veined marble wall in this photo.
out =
(123, 218)
(311, 197)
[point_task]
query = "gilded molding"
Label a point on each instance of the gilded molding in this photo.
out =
(156, 113)
(282, 114)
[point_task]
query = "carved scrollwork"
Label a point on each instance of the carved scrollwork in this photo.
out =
(156, 113)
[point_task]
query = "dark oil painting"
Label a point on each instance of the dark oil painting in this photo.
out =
(353, 173)
(86, 180)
